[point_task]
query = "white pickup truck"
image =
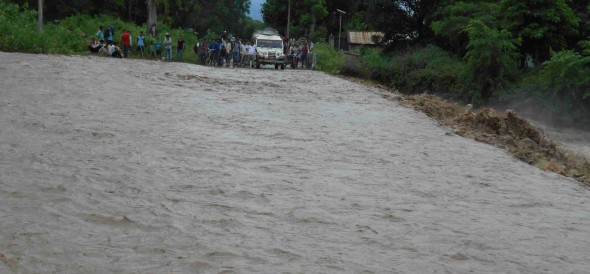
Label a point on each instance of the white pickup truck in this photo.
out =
(269, 47)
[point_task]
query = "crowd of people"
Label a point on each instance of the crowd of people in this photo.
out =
(104, 43)
(225, 51)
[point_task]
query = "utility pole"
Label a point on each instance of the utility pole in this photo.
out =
(40, 16)
(340, 29)
(288, 18)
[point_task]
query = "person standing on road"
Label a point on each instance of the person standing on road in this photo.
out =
(168, 47)
(222, 53)
(251, 55)
(141, 43)
(202, 51)
(304, 51)
(229, 50)
(236, 46)
(180, 49)
(158, 48)
(126, 41)
(243, 54)
(213, 53)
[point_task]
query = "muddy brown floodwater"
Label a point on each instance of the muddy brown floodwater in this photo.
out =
(128, 166)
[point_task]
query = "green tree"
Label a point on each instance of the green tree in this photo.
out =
(491, 59)
(453, 19)
(402, 20)
(542, 25)
(357, 22)
(566, 84)
(306, 15)
(317, 11)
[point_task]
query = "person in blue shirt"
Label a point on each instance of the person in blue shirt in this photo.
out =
(158, 48)
(213, 52)
(141, 43)
(109, 34)
(222, 53)
(236, 47)
(100, 34)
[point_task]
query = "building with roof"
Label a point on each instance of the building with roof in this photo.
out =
(363, 38)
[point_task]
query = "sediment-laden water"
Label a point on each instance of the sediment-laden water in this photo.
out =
(127, 166)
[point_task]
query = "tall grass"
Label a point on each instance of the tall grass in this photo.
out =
(329, 59)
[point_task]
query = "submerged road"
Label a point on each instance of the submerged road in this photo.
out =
(129, 166)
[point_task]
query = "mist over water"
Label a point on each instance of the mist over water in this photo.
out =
(128, 166)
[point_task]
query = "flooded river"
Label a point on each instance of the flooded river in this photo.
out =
(127, 166)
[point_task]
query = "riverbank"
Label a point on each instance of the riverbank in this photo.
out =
(563, 151)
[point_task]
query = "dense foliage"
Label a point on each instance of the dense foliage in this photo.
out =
(200, 15)
(69, 35)
(478, 51)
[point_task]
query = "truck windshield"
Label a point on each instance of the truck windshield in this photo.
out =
(269, 44)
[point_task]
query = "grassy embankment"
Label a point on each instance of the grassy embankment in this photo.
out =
(71, 35)
(433, 70)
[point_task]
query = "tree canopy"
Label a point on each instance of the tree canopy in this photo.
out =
(539, 25)
(200, 15)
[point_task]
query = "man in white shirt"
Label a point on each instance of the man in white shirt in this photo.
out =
(251, 54)
(114, 51)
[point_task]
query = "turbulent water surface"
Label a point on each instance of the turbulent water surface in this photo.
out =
(127, 166)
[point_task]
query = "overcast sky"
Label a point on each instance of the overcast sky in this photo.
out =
(255, 6)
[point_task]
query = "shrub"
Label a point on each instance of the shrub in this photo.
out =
(433, 69)
(18, 29)
(377, 66)
(329, 60)
(565, 80)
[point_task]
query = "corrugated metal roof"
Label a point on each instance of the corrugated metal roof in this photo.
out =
(362, 37)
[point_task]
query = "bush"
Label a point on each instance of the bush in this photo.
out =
(378, 66)
(329, 60)
(434, 70)
(565, 80)
(560, 88)
(428, 69)
(18, 29)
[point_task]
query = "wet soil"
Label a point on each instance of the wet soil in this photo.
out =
(506, 130)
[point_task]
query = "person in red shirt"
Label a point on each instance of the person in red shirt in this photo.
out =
(304, 51)
(126, 41)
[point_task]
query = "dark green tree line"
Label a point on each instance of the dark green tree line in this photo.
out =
(230, 15)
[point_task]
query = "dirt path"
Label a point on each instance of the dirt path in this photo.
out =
(126, 166)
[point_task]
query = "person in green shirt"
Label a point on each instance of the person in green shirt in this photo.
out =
(158, 48)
